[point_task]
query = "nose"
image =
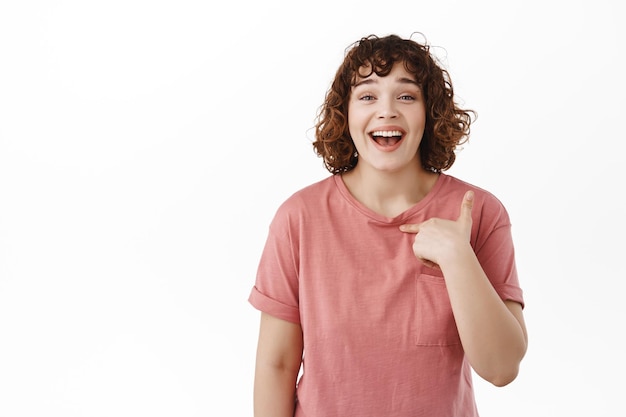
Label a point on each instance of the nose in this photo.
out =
(387, 109)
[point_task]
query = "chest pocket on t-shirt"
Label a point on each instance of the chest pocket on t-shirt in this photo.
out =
(434, 322)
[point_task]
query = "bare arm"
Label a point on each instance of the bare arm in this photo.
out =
(493, 332)
(279, 355)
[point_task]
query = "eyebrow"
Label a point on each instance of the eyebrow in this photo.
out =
(401, 80)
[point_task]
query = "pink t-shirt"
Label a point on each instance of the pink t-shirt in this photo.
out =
(379, 335)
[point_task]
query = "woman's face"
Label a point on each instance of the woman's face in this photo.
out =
(386, 119)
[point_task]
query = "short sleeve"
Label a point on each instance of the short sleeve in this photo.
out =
(276, 287)
(496, 252)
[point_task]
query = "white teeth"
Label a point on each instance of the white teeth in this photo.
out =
(387, 133)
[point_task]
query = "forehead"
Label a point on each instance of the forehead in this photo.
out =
(398, 73)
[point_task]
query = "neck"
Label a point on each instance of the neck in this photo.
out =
(390, 193)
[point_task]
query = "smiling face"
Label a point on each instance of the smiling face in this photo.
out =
(386, 119)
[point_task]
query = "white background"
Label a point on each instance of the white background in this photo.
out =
(145, 145)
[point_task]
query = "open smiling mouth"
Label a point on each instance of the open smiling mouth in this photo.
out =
(386, 137)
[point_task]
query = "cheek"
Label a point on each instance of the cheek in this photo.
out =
(357, 117)
(356, 126)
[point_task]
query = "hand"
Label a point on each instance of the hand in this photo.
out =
(437, 240)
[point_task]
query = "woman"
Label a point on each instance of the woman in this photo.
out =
(384, 284)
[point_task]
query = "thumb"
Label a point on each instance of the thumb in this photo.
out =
(466, 207)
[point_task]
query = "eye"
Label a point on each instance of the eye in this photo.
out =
(406, 97)
(366, 97)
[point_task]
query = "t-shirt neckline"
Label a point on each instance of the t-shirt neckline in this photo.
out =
(400, 218)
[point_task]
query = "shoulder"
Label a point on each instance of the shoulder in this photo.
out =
(486, 204)
(311, 194)
(309, 199)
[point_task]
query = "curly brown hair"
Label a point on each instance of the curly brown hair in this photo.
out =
(447, 125)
